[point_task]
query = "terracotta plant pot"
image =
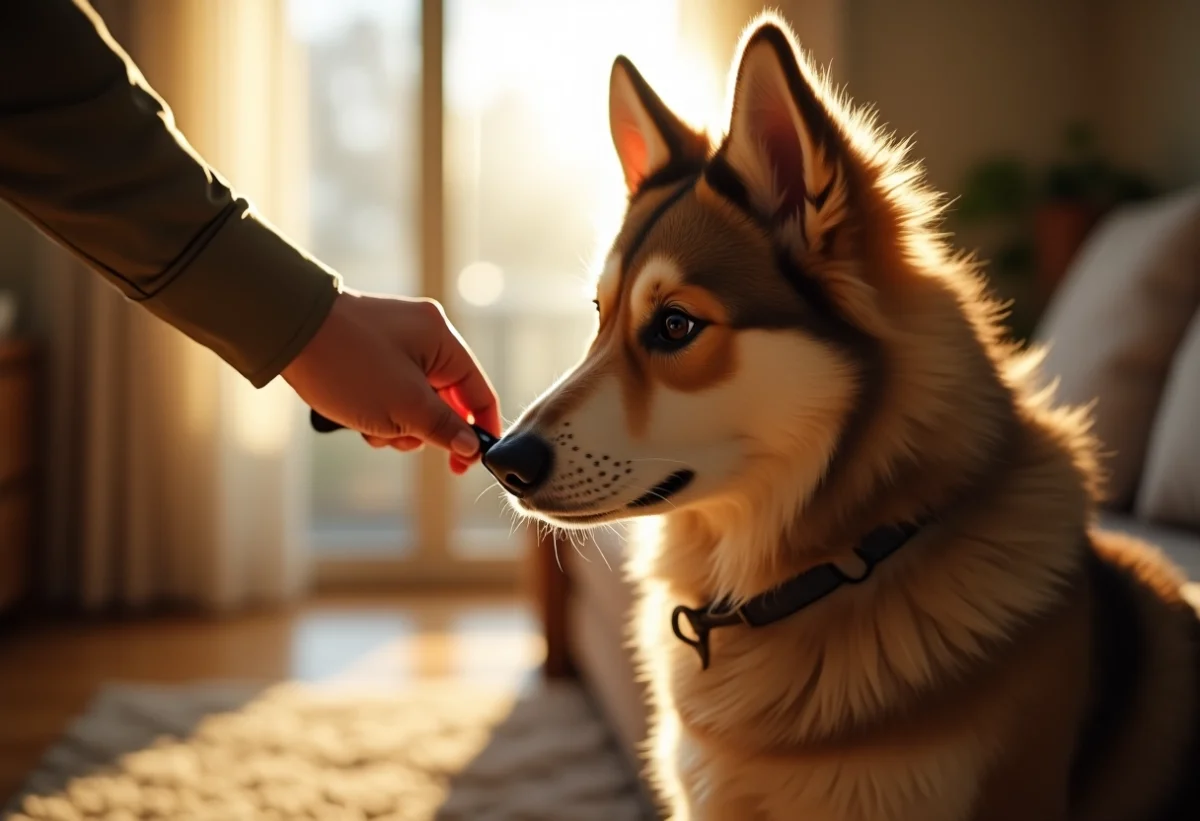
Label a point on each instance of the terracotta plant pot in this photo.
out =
(1058, 231)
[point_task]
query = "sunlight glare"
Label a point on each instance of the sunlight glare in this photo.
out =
(648, 529)
(558, 65)
(263, 417)
(481, 283)
(314, 21)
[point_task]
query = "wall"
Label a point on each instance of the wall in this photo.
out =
(1149, 64)
(970, 78)
(973, 77)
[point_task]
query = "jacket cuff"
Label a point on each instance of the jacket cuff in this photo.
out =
(249, 295)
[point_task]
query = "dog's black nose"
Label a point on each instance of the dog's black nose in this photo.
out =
(521, 463)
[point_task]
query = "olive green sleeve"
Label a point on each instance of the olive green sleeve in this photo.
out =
(89, 153)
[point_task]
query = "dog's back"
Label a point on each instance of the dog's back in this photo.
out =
(1139, 750)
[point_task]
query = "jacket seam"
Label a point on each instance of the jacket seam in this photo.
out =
(184, 259)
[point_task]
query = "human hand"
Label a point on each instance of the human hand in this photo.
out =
(395, 370)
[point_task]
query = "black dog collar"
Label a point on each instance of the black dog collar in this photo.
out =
(790, 597)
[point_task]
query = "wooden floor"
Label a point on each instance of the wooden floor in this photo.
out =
(48, 672)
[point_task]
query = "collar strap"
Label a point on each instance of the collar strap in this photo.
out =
(790, 597)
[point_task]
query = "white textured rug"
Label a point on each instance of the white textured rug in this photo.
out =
(438, 751)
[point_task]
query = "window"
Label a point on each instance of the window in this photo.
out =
(364, 76)
(528, 191)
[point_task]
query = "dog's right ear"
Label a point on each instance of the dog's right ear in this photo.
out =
(652, 143)
(782, 141)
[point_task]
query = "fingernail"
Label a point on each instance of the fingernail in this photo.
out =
(465, 443)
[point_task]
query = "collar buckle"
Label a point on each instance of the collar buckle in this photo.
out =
(700, 627)
(869, 564)
(702, 622)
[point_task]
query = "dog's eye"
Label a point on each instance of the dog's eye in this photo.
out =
(676, 326)
(672, 329)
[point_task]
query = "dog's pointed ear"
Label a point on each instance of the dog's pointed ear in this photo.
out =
(782, 142)
(650, 139)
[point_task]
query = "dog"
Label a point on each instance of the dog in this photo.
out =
(879, 592)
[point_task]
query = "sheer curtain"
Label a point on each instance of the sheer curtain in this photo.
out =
(169, 479)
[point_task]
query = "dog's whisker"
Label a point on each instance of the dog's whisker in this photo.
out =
(600, 550)
(486, 489)
(576, 547)
(581, 548)
(662, 498)
(553, 531)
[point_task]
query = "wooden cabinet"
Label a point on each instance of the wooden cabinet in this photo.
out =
(17, 462)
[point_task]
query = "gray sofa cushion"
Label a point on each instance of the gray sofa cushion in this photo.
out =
(1170, 487)
(1183, 546)
(1116, 321)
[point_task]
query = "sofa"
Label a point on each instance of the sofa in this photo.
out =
(1123, 332)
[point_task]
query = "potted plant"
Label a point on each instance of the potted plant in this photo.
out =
(1045, 215)
(1078, 191)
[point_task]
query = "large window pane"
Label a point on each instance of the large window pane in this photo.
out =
(364, 102)
(534, 189)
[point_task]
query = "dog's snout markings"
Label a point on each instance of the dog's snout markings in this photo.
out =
(588, 477)
(574, 481)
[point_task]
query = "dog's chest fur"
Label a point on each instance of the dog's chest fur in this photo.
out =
(824, 716)
(709, 724)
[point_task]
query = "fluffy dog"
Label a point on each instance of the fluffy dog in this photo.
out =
(879, 593)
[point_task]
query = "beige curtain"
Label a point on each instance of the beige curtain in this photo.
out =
(169, 479)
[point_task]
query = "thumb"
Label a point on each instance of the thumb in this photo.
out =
(433, 420)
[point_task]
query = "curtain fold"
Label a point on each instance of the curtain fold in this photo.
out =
(170, 480)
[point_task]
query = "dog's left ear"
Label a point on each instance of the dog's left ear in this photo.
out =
(782, 142)
(649, 138)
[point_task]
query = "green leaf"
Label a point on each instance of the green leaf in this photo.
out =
(1130, 187)
(1080, 138)
(1014, 259)
(995, 188)
(1072, 182)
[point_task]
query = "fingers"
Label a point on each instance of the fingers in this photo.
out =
(486, 418)
(410, 444)
(455, 371)
(405, 444)
(433, 420)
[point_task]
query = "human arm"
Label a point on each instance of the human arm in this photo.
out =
(91, 155)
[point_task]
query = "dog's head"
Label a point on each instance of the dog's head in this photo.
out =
(739, 307)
